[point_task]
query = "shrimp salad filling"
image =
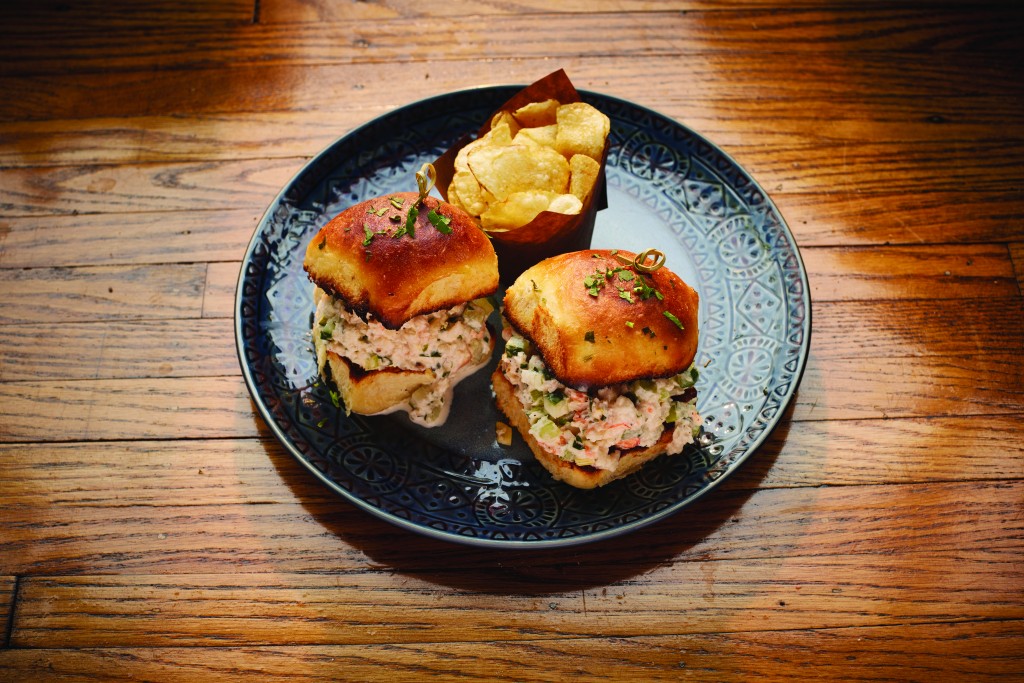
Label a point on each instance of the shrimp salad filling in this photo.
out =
(451, 343)
(589, 430)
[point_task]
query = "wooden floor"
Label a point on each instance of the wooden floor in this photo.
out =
(151, 527)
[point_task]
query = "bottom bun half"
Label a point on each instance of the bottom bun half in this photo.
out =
(584, 477)
(368, 392)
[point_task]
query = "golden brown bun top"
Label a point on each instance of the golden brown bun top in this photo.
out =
(593, 341)
(364, 257)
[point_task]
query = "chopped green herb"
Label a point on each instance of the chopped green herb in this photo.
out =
(625, 294)
(645, 291)
(396, 202)
(335, 398)
(625, 275)
(442, 223)
(377, 212)
(589, 336)
(368, 235)
(535, 287)
(674, 319)
(410, 220)
(327, 331)
(629, 324)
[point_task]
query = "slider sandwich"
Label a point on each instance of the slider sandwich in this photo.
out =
(401, 312)
(597, 373)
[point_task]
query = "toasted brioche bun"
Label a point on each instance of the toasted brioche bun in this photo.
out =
(583, 477)
(358, 257)
(592, 341)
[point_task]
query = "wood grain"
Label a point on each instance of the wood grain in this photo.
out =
(174, 46)
(844, 170)
(250, 471)
(127, 239)
(118, 350)
(8, 587)
(861, 653)
(937, 89)
(363, 608)
(314, 533)
(56, 295)
(153, 528)
(176, 407)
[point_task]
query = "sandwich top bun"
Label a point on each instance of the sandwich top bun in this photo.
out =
(379, 263)
(596, 319)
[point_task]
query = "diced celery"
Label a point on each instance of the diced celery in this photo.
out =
(556, 405)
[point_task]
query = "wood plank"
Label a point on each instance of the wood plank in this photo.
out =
(363, 608)
(301, 11)
(98, 14)
(174, 408)
(118, 350)
(974, 650)
(58, 295)
(1017, 256)
(219, 292)
(247, 185)
(892, 88)
(895, 387)
(910, 272)
(327, 534)
(70, 47)
(865, 330)
(8, 588)
(895, 451)
(944, 216)
(130, 238)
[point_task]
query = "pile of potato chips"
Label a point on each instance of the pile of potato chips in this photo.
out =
(544, 156)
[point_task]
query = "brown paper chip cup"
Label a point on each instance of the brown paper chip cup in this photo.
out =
(549, 233)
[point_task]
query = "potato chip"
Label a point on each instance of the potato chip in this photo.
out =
(537, 114)
(519, 208)
(515, 168)
(568, 204)
(503, 117)
(468, 192)
(515, 211)
(582, 129)
(583, 174)
(542, 135)
(499, 136)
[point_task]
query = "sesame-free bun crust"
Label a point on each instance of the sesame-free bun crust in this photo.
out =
(397, 277)
(551, 306)
(563, 470)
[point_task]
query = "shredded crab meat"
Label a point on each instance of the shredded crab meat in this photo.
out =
(448, 342)
(592, 429)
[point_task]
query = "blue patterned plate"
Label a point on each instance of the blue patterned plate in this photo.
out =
(668, 188)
